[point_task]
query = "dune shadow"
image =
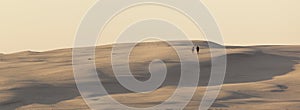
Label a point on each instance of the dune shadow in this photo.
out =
(257, 66)
(39, 93)
(243, 68)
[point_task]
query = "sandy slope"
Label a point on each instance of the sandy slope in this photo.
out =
(258, 78)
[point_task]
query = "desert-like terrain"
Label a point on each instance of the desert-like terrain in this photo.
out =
(257, 78)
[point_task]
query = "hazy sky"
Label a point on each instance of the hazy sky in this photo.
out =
(41, 25)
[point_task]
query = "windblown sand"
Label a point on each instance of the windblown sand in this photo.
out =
(257, 78)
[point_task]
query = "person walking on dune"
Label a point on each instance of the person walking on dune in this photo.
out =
(198, 49)
(193, 49)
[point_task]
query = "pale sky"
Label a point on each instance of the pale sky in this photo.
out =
(41, 25)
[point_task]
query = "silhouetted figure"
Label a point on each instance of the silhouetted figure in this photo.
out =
(193, 49)
(198, 49)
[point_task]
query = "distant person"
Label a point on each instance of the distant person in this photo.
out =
(198, 49)
(193, 49)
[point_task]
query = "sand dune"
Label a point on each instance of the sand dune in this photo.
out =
(257, 77)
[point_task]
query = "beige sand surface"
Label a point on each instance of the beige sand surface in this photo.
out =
(257, 78)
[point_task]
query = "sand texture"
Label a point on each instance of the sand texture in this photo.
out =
(257, 78)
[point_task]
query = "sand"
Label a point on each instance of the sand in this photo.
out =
(257, 78)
